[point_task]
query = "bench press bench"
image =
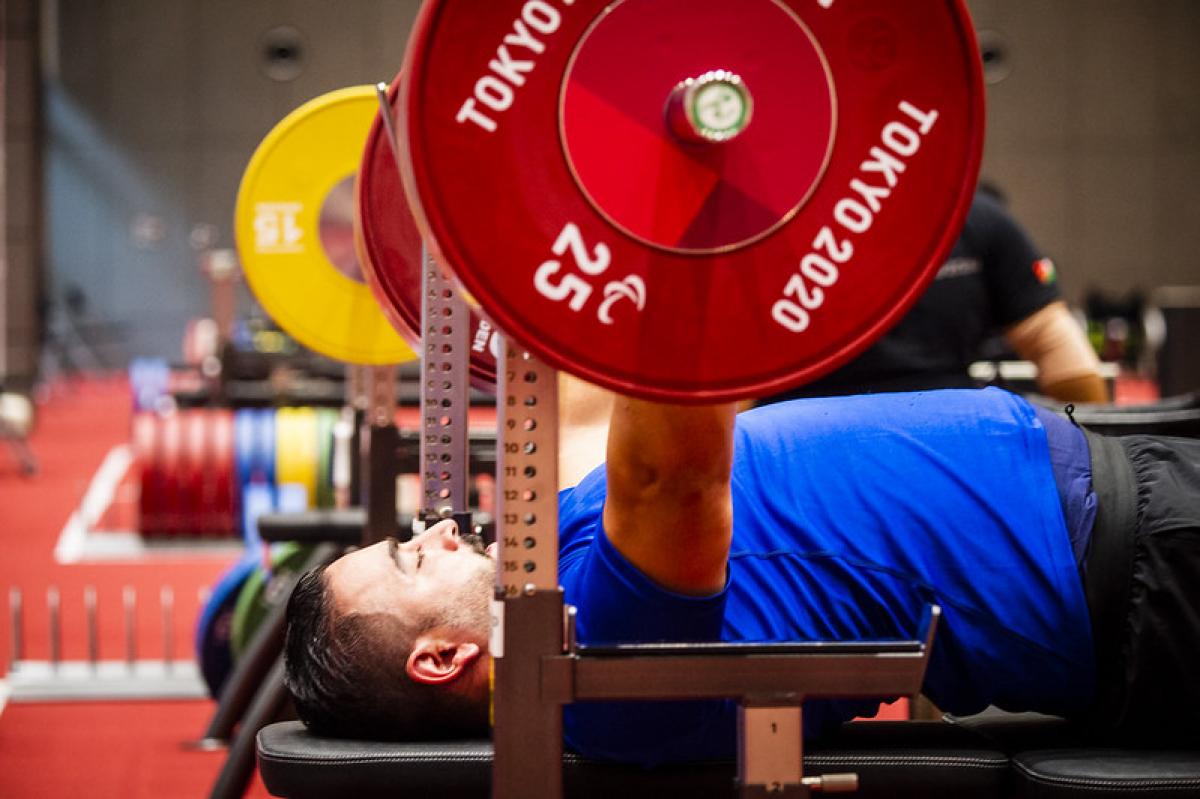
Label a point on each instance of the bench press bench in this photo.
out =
(995, 754)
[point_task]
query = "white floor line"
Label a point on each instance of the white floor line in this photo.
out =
(105, 680)
(71, 540)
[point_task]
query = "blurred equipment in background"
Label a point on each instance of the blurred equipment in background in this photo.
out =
(70, 348)
(1116, 328)
(1177, 310)
(1128, 332)
(16, 422)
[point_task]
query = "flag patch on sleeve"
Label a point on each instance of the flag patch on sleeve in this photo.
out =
(1044, 271)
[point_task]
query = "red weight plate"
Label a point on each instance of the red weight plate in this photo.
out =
(390, 251)
(201, 452)
(205, 475)
(217, 480)
(223, 473)
(146, 440)
(559, 159)
(172, 482)
(193, 466)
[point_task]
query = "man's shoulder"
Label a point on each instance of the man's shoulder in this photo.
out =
(846, 418)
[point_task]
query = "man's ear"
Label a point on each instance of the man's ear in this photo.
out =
(439, 660)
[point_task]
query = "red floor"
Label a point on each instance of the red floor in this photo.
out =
(132, 749)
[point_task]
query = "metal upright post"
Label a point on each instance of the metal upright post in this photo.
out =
(129, 600)
(379, 443)
(16, 610)
(445, 397)
(355, 412)
(54, 609)
(166, 605)
(527, 614)
(93, 640)
(343, 454)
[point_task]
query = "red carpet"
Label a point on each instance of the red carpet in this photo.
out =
(97, 750)
(127, 750)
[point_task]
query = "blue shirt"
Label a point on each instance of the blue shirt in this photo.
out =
(851, 515)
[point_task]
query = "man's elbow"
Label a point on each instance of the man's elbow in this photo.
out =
(1068, 368)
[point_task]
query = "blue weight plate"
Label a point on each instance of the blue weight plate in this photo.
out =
(214, 653)
(257, 499)
(244, 432)
(265, 460)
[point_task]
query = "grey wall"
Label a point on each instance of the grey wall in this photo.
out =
(156, 106)
(153, 113)
(1095, 134)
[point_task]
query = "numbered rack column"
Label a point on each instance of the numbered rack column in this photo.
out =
(527, 615)
(445, 377)
(527, 463)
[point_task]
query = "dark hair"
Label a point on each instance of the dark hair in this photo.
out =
(346, 674)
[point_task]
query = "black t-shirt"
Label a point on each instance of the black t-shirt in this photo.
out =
(994, 278)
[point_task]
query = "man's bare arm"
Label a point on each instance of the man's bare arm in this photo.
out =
(1068, 369)
(669, 507)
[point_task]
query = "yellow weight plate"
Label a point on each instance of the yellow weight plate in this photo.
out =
(296, 451)
(294, 228)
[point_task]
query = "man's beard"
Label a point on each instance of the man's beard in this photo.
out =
(470, 609)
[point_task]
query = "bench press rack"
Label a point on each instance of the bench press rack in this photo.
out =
(539, 667)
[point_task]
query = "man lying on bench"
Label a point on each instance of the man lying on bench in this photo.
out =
(1067, 566)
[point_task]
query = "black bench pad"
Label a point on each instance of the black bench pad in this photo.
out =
(1064, 773)
(910, 760)
(1055, 759)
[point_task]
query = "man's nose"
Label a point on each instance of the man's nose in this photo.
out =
(444, 534)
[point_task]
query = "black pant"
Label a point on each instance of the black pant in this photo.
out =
(1143, 586)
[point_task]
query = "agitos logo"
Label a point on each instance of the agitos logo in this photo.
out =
(1044, 271)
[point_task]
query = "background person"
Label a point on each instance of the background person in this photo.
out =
(995, 281)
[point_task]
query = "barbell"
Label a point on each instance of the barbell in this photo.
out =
(687, 200)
